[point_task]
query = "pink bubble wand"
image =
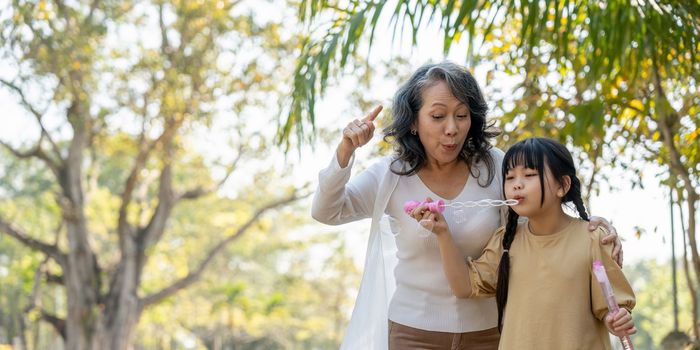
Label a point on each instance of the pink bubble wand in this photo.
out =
(440, 205)
(602, 277)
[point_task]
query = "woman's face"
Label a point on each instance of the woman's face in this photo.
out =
(443, 123)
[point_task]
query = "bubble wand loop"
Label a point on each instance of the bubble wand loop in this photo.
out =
(440, 205)
(602, 277)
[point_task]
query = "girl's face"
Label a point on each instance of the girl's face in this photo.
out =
(443, 123)
(523, 185)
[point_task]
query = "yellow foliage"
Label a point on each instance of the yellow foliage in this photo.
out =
(693, 135)
(637, 104)
(303, 334)
(627, 114)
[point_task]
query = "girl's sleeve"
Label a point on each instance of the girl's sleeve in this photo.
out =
(340, 199)
(624, 295)
(483, 271)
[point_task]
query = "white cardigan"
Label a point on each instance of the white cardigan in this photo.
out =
(368, 327)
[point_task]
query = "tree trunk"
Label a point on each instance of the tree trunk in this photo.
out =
(692, 290)
(119, 335)
(83, 313)
(81, 273)
(123, 307)
(111, 329)
(99, 337)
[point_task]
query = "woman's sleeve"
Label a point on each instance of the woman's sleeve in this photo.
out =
(483, 271)
(340, 199)
(624, 295)
(498, 156)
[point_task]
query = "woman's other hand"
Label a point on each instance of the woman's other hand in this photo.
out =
(612, 237)
(433, 222)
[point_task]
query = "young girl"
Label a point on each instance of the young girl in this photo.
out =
(540, 269)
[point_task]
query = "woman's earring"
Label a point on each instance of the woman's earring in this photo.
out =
(414, 132)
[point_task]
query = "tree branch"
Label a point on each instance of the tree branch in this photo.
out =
(50, 277)
(166, 201)
(33, 296)
(35, 152)
(63, 12)
(53, 278)
(24, 238)
(194, 275)
(146, 148)
(591, 182)
(165, 47)
(37, 115)
(93, 7)
(130, 185)
(202, 191)
(58, 324)
(23, 99)
(145, 151)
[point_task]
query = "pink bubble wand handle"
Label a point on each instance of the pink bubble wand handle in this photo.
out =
(435, 207)
(602, 277)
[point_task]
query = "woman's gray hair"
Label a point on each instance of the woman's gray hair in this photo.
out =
(409, 100)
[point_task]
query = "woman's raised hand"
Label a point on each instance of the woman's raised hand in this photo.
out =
(356, 134)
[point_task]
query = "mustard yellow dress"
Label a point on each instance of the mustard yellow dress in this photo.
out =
(554, 300)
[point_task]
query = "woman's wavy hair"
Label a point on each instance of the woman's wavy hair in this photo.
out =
(408, 101)
(534, 153)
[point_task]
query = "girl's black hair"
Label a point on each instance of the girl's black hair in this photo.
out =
(409, 100)
(534, 153)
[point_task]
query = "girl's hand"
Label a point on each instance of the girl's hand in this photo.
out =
(433, 222)
(613, 238)
(621, 323)
(356, 134)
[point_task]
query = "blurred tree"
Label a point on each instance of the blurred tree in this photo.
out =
(653, 314)
(118, 91)
(267, 296)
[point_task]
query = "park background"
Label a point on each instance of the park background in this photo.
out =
(157, 157)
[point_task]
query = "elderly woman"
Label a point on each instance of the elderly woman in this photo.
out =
(442, 151)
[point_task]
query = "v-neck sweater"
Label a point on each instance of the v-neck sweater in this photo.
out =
(423, 298)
